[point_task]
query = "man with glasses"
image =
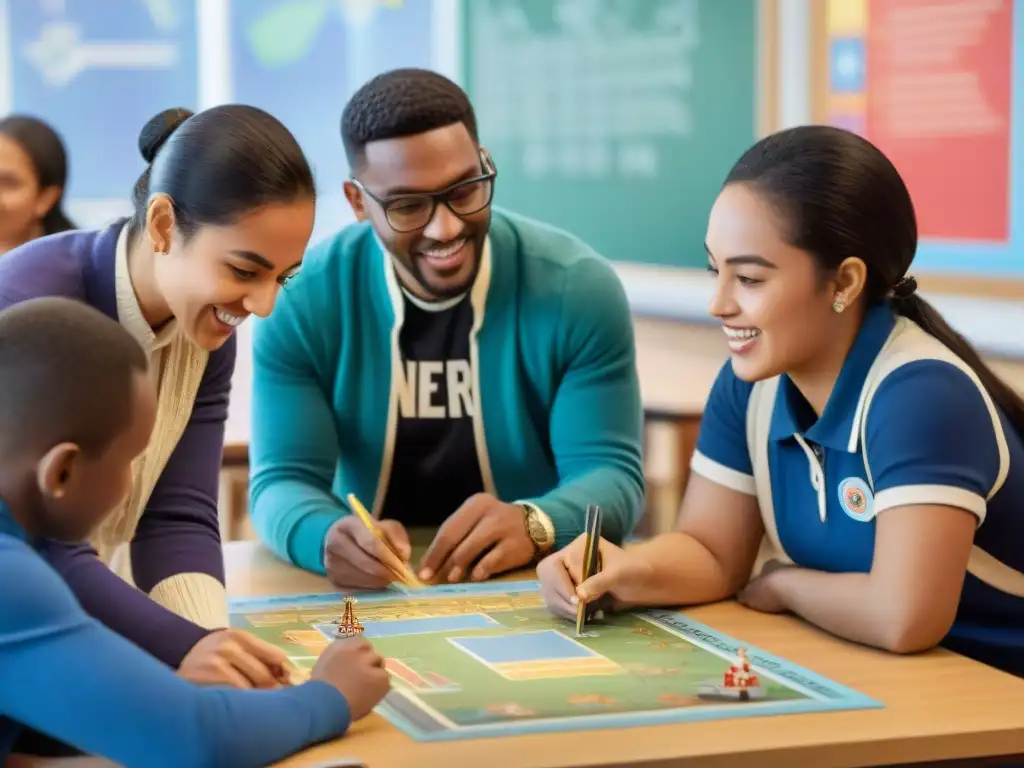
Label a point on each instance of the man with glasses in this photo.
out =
(449, 364)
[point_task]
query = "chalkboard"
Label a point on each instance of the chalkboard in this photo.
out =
(614, 119)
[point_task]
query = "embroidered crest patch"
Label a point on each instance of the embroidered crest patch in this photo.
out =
(856, 499)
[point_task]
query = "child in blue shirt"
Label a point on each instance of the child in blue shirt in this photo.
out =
(855, 456)
(78, 406)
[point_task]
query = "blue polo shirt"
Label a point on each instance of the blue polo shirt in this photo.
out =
(66, 675)
(931, 436)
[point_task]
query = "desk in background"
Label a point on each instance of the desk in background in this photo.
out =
(677, 364)
(938, 706)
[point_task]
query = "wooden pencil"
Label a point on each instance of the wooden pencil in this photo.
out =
(401, 570)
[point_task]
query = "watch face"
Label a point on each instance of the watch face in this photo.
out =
(536, 530)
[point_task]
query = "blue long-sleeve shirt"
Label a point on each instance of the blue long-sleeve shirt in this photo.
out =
(64, 674)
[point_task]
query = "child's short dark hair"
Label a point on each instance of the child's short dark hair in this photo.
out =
(67, 376)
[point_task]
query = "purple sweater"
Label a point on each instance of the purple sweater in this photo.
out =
(179, 531)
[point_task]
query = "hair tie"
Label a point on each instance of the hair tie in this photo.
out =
(905, 288)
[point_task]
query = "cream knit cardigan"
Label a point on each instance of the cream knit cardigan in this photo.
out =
(177, 366)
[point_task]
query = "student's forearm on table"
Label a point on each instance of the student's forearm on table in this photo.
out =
(852, 606)
(292, 517)
(120, 606)
(683, 572)
(160, 718)
(293, 450)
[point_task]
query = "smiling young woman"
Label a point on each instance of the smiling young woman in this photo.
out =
(855, 455)
(222, 216)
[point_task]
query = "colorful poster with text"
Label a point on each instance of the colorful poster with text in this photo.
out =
(930, 82)
(938, 104)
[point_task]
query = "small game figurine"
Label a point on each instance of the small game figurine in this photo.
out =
(739, 682)
(349, 625)
(739, 675)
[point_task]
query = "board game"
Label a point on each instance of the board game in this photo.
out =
(484, 660)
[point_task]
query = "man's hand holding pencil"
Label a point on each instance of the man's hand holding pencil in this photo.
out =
(357, 558)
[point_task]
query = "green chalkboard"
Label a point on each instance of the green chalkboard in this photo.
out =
(614, 119)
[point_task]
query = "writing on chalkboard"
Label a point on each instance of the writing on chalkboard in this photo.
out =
(616, 120)
(585, 88)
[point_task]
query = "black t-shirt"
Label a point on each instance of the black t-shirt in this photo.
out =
(435, 467)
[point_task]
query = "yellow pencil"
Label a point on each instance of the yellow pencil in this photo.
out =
(404, 574)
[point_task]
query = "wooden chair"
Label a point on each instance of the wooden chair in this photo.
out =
(234, 493)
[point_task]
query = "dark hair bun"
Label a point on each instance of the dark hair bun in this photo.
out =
(159, 129)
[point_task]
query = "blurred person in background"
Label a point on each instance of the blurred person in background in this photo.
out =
(33, 176)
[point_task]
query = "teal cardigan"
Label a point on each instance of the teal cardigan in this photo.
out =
(554, 362)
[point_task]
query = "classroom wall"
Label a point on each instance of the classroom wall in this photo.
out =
(677, 352)
(99, 69)
(677, 358)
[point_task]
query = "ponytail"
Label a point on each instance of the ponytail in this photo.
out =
(218, 165)
(154, 135)
(914, 308)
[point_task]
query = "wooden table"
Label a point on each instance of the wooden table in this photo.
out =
(939, 706)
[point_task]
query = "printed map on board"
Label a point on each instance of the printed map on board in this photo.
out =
(479, 660)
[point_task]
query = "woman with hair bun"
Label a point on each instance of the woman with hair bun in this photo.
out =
(222, 216)
(33, 175)
(856, 455)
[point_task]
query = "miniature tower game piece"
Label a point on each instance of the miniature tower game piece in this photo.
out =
(349, 625)
(739, 682)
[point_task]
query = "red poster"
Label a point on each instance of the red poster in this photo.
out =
(938, 104)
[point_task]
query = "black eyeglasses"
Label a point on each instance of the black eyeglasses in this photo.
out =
(407, 213)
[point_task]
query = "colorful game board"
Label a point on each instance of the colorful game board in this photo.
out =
(481, 660)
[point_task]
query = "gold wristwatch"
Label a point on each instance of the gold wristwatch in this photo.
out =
(539, 527)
